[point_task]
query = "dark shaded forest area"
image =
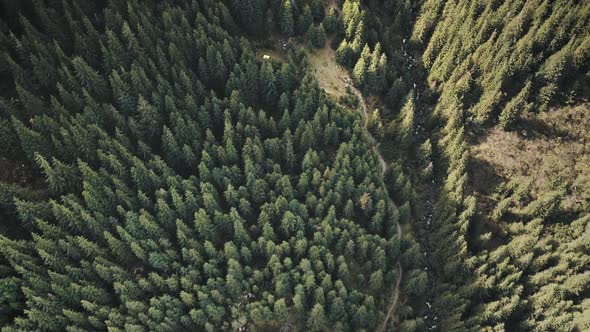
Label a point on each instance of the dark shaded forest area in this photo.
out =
(206, 166)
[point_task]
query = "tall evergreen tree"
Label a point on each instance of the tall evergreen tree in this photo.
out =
(287, 18)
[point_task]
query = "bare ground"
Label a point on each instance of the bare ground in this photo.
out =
(329, 74)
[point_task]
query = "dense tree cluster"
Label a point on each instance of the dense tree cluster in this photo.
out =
(370, 67)
(288, 17)
(163, 177)
(528, 263)
(373, 47)
(520, 265)
(513, 53)
(452, 69)
(190, 186)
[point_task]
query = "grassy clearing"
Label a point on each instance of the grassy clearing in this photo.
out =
(323, 64)
(328, 73)
(553, 149)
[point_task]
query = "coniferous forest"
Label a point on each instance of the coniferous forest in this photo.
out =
(294, 165)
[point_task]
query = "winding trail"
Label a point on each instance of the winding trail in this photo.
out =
(384, 167)
(328, 72)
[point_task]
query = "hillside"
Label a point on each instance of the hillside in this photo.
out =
(296, 165)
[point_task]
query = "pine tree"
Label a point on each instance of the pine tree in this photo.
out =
(317, 320)
(359, 72)
(190, 152)
(344, 54)
(89, 78)
(267, 80)
(304, 21)
(317, 7)
(405, 129)
(287, 21)
(32, 104)
(9, 137)
(31, 141)
(331, 22)
(280, 310)
(515, 107)
(60, 177)
(317, 36)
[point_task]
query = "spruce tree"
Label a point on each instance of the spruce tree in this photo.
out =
(515, 107)
(331, 21)
(287, 21)
(317, 320)
(406, 118)
(317, 36)
(304, 21)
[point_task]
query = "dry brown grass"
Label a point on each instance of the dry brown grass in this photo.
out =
(328, 73)
(556, 147)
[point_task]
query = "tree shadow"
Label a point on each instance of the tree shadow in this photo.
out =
(483, 176)
(535, 128)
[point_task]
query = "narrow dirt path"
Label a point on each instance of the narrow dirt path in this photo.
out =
(334, 79)
(384, 167)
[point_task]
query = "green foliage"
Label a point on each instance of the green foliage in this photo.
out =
(345, 54)
(192, 186)
(317, 36)
(331, 21)
(369, 73)
(406, 122)
(317, 320)
(61, 177)
(515, 107)
(287, 21)
(519, 62)
(304, 21)
(9, 138)
(538, 44)
(189, 185)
